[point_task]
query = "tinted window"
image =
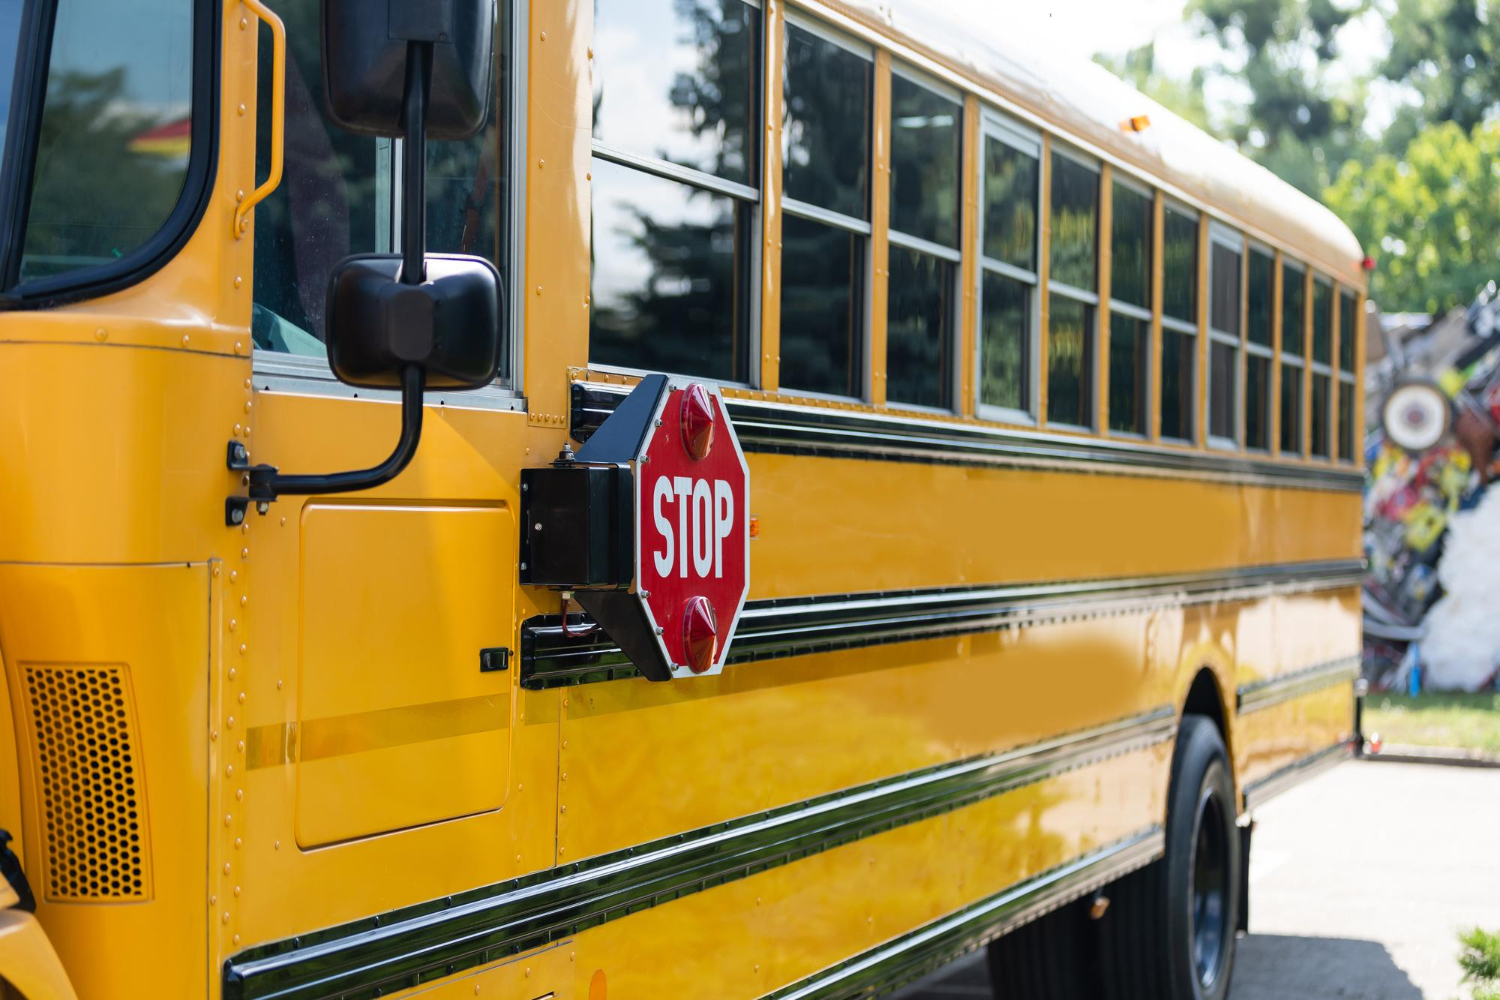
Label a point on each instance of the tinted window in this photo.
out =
(1261, 305)
(1130, 248)
(1293, 317)
(669, 286)
(1322, 323)
(1257, 402)
(678, 82)
(1320, 415)
(334, 198)
(1179, 359)
(1222, 377)
(1346, 420)
(1129, 351)
(1347, 305)
(1224, 280)
(1070, 362)
(1010, 196)
(924, 162)
(116, 131)
(1179, 296)
(1075, 207)
(10, 30)
(822, 331)
(826, 124)
(918, 335)
(1005, 342)
(1291, 410)
(331, 202)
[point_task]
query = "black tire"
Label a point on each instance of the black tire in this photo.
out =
(1169, 933)
(1047, 959)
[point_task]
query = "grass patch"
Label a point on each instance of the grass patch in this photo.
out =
(1464, 721)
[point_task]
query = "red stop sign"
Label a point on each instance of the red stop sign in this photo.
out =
(692, 532)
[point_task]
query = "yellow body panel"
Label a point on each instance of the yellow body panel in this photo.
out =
(318, 745)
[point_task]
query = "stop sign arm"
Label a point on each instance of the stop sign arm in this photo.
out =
(577, 527)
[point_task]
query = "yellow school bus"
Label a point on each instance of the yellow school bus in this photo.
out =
(1049, 418)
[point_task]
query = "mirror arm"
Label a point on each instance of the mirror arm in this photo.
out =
(266, 483)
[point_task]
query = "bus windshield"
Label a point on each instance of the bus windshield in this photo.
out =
(10, 30)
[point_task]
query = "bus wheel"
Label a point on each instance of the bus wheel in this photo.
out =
(1170, 934)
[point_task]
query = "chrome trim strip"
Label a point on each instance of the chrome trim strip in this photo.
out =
(1284, 687)
(789, 428)
(914, 955)
(1262, 790)
(403, 948)
(800, 626)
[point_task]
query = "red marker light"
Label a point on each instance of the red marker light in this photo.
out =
(697, 418)
(700, 634)
(1368, 263)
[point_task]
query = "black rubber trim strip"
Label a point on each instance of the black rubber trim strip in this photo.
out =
(1263, 790)
(181, 222)
(786, 428)
(798, 626)
(403, 948)
(1285, 687)
(914, 955)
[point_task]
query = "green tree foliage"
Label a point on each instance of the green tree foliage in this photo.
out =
(1431, 215)
(1480, 960)
(1448, 53)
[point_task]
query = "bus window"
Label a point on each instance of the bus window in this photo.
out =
(335, 198)
(1008, 303)
(1321, 367)
(1071, 288)
(1293, 318)
(115, 136)
(1259, 350)
(1225, 265)
(1347, 304)
(825, 228)
(1130, 309)
(10, 30)
(1179, 323)
(674, 186)
(924, 251)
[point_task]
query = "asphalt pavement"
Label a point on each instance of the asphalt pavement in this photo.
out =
(1360, 880)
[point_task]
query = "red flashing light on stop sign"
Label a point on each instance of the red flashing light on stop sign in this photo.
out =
(700, 634)
(697, 421)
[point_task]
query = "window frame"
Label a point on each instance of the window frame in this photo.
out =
(692, 177)
(1073, 292)
(18, 163)
(1316, 368)
(864, 228)
(1345, 380)
(278, 371)
(1267, 351)
(1226, 236)
(1181, 328)
(1298, 361)
(1135, 312)
(993, 124)
(954, 256)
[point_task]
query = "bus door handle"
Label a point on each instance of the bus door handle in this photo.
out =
(278, 117)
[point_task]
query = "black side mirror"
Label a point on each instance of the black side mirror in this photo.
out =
(415, 69)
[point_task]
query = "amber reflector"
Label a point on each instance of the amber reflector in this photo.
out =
(697, 421)
(700, 634)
